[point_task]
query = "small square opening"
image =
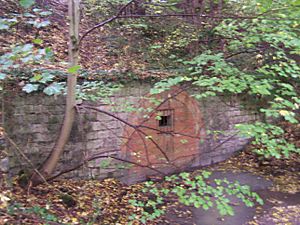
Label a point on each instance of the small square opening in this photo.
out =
(165, 121)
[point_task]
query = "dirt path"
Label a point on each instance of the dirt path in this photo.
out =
(243, 214)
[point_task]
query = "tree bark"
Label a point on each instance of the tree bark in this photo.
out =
(49, 165)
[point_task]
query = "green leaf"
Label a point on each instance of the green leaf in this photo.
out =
(184, 175)
(54, 89)
(205, 207)
(197, 204)
(105, 163)
(3, 25)
(46, 77)
(2, 76)
(27, 3)
(28, 88)
(139, 25)
(45, 13)
(36, 78)
(29, 15)
(206, 174)
(74, 69)
(155, 46)
(48, 53)
(38, 41)
(37, 10)
(27, 47)
(296, 3)
(42, 24)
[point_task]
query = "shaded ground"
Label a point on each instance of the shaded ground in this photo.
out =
(279, 207)
(106, 202)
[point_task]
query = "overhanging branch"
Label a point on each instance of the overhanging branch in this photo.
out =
(103, 23)
(99, 156)
(137, 16)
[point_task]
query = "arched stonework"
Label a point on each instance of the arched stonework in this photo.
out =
(167, 138)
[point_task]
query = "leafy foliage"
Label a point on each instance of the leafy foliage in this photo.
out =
(27, 3)
(258, 62)
(95, 90)
(43, 213)
(32, 53)
(192, 191)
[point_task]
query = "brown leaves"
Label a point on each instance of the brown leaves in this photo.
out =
(285, 173)
(84, 201)
(287, 215)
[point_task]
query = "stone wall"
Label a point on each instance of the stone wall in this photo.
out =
(223, 139)
(33, 122)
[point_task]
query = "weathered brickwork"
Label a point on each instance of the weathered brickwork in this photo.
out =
(202, 133)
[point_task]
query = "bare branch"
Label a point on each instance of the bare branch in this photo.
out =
(101, 155)
(136, 16)
(26, 158)
(204, 16)
(242, 52)
(106, 21)
(137, 128)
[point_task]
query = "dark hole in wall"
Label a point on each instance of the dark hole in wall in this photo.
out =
(165, 121)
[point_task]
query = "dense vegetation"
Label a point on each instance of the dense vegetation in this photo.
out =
(247, 49)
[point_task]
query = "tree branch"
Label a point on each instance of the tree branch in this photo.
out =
(106, 21)
(26, 159)
(135, 127)
(103, 156)
(136, 16)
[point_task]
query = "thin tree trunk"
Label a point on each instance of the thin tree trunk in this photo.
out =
(49, 166)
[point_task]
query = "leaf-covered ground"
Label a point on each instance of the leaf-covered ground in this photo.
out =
(106, 202)
(104, 49)
(285, 173)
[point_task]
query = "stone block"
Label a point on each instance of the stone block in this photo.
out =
(92, 136)
(90, 116)
(55, 119)
(97, 135)
(32, 119)
(38, 109)
(53, 128)
(19, 110)
(55, 109)
(95, 144)
(95, 126)
(55, 100)
(113, 124)
(42, 137)
(29, 109)
(111, 142)
(33, 99)
(234, 113)
(103, 117)
(19, 119)
(38, 128)
(4, 165)
(242, 119)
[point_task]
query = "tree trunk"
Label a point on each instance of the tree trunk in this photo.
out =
(49, 166)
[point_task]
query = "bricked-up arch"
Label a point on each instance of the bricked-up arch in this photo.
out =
(172, 131)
